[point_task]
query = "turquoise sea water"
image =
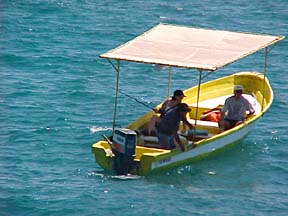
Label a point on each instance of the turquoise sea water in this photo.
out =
(55, 101)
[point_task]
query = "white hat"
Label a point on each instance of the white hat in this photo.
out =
(238, 87)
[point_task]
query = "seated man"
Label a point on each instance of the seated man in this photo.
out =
(234, 111)
(167, 127)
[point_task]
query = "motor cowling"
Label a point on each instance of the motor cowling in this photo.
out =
(123, 147)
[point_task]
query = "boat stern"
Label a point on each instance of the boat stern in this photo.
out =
(103, 154)
(146, 156)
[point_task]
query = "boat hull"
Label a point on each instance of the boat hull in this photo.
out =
(211, 146)
(149, 159)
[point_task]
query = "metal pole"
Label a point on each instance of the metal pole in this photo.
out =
(169, 82)
(116, 95)
(264, 73)
(198, 95)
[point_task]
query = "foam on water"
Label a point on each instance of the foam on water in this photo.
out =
(95, 129)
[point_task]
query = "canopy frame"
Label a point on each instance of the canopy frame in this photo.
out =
(114, 54)
(188, 47)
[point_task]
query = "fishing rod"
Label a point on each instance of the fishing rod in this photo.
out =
(138, 101)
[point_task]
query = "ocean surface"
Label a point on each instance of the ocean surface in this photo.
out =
(56, 99)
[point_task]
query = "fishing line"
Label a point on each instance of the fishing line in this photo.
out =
(138, 101)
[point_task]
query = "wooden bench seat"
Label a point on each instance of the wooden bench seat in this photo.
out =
(152, 141)
(203, 123)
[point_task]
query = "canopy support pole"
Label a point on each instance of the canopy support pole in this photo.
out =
(197, 102)
(264, 73)
(169, 82)
(117, 69)
(198, 93)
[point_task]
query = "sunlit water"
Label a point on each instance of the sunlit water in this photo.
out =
(56, 99)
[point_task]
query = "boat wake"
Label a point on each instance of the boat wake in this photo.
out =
(126, 177)
(95, 129)
(108, 175)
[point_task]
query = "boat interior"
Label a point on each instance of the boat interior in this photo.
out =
(204, 128)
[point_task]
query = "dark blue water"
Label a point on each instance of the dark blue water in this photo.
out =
(56, 100)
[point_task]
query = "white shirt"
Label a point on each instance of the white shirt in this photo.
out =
(235, 109)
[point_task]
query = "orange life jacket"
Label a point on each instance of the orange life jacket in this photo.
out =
(213, 116)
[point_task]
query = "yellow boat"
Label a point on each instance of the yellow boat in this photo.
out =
(205, 50)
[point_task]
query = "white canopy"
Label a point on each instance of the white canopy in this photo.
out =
(188, 47)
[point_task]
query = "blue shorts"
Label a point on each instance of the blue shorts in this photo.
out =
(166, 141)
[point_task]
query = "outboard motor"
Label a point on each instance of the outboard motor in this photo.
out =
(123, 147)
